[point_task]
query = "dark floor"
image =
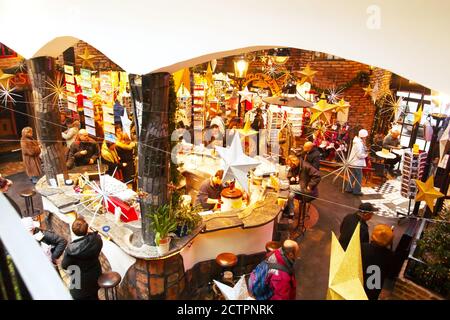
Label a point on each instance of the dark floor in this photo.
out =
(312, 268)
(21, 182)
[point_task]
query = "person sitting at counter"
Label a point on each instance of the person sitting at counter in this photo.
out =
(210, 189)
(83, 151)
(308, 177)
(111, 158)
(392, 141)
(311, 154)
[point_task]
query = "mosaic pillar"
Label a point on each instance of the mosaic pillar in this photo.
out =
(42, 74)
(151, 101)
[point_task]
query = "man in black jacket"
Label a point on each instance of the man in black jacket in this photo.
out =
(308, 178)
(350, 222)
(84, 253)
(378, 260)
(54, 244)
(83, 151)
(311, 154)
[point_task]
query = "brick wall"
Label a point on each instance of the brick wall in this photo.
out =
(101, 62)
(405, 289)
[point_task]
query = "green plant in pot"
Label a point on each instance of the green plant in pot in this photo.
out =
(187, 218)
(163, 224)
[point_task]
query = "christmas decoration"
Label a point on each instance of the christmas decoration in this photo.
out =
(418, 115)
(307, 74)
(57, 88)
(334, 94)
(247, 130)
(246, 95)
(7, 94)
(426, 192)
(368, 91)
(238, 292)
(320, 109)
(4, 77)
(345, 281)
(237, 163)
(87, 59)
(344, 168)
(341, 106)
(126, 123)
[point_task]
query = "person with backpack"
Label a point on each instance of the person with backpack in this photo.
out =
(52, 244)
(274, 278)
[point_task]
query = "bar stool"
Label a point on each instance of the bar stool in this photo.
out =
(28, 194)
(109, 282)
(272, 246)
(226, 261)
(304, 203)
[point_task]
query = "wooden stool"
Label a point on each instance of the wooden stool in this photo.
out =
(226, 261)
(109, 281)
(28, 194)
(272, 246)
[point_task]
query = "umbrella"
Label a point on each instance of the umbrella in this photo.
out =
(293, 102)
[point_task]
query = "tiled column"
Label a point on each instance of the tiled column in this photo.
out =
(42, 72)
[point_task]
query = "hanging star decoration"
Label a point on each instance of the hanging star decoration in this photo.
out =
(56, 88)
(87, 59)
(307, 74)
(246, 95)
(427, 192)
(393, 106)
(343, 167)
(341, 106)
(126, 123)
(319, 128)
(320, 110)
(209, 75)
(345, 280)
(7, 94)
(238, 292)
(334, 94)
(21, 66)
(237, 163)
(368, 91)
(418, 115)
(247, 130)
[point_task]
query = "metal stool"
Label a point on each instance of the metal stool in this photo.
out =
(109, 281)
(226, 261)
(28, 194)
(272, 246)
(303, 211)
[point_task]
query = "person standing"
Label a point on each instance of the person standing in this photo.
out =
(350, 221)
(31, 154)
(378, 253)
(312, 154)
(112, 160)
(52, 244)
(357, 161)
(209, 193)
(282, 282)
(309, 179)
(84, 253)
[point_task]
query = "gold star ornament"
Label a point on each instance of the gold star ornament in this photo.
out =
(426, 192)
(341, 106)
(368, 91)
(308, 74)
(320, 110)
(418, 115)
(345, 280)
(87, 59)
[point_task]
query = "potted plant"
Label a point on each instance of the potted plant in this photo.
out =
(187, 218)
(163, 224)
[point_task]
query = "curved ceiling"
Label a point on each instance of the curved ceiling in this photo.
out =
(408, 37)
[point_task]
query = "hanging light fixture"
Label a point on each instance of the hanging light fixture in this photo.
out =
(279, 56)
(240, 67)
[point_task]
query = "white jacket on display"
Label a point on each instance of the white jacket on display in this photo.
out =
(358, 153)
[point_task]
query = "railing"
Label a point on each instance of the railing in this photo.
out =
(25, 271)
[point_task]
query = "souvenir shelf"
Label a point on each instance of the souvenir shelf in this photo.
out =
(413, 168)
(295, 120)
(198, 107)
(275, 121)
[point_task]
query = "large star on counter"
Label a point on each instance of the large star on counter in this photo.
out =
(426, 192)
(308, 74)
(237, 163)
(86, 57)
(341, 106)
(320, 108)
(418, 115)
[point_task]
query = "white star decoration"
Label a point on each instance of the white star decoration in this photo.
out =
(237, 163)
(246, 95)
(126, 123)
(238, 292)
(7, 94)
(344, 168)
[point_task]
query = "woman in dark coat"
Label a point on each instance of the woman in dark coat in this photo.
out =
(84, 253)
(30, 154)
